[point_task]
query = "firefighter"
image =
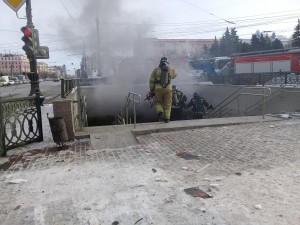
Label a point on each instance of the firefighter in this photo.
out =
(161, 89)
(178, 103)
(197, 103)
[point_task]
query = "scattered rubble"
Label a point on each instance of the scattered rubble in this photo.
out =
(157, 179)
(258, 206)
(17, 181)
(138, 221)
(187, 155)
(196, 192)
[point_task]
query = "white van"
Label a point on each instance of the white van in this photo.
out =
(4, 81)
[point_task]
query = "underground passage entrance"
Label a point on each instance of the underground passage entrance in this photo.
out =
(228, 101)
(147, 116)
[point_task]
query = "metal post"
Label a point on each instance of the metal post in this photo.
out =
(134, 113)
(62, 88)
(2, 137)
(264, 102)
(79, 105)
(39, 116)
(35, 88)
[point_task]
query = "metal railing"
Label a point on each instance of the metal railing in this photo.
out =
(67, 86)
(136, 99)
(20, 122)
(274, 78)
(221, 108)
(264, 95)
(124, 117)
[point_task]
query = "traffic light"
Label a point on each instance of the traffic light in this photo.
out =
(28, 40)
(32, 44)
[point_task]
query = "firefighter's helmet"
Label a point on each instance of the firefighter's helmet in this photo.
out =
(196, 95)
(163, 61)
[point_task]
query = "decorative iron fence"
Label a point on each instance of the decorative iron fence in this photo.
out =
(20, 122)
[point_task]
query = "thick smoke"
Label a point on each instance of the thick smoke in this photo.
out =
(119, 30)
(122, 54)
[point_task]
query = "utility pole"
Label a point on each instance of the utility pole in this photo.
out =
(33, 75)
(98, 48)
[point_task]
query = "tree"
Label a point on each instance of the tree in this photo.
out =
(245, 47)
(225, 43)
(215, 48)
(206, 53)
(296, 36)
(262, 42)
(255, 43)
(235, 41)
(268, 43)
(277, 44)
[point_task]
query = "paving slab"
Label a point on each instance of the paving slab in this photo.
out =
(251, 170)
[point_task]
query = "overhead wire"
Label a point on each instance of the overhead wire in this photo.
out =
(227, 21)
(180, 29)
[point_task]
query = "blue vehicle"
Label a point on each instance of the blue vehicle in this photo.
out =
(210, 67)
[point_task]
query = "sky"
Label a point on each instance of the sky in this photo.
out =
(68, 27)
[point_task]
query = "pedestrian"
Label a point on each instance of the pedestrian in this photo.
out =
(161, 88)
(197, 103)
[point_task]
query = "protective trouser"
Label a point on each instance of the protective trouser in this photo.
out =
(163, 102)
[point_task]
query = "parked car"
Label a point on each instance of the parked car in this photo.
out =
(15, 79)
(11, 82)
(22, 79)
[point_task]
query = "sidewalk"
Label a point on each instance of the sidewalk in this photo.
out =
(249, 167)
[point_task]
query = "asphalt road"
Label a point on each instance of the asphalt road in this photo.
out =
(49, 89)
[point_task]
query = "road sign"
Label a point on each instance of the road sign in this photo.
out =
(15, 4)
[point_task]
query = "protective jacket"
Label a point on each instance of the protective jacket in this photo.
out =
(197, 104)
(155, 85)
(163, 93)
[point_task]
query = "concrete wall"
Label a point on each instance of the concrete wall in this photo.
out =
(107, 100)
(67, 108)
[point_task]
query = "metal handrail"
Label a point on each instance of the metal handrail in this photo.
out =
(264, 95)
(255, 104)
(136, 99)
(223, 102)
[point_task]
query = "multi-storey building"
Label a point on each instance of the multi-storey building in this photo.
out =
(46, 71)
(11, 64)
(42, 69)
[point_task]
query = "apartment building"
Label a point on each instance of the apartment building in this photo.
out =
(12, 64)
